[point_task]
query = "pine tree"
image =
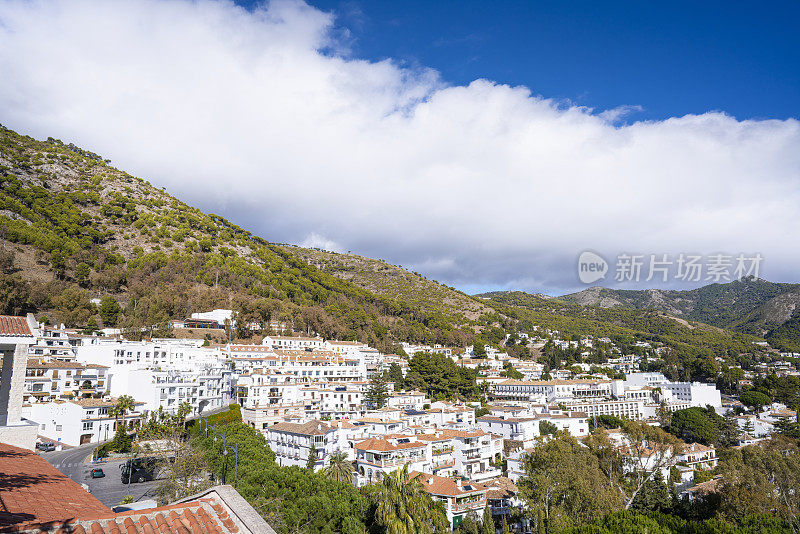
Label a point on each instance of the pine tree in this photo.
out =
(312, 457)
(377, 393)
(487, 523)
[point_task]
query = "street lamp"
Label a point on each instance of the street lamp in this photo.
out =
(236, 472)
(224, 438)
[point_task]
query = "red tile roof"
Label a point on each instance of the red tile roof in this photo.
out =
(203, 516)
(36, 498)
(11, 325)
(33, 490)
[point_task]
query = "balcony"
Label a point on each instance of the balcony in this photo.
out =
(477, 504)
(480, 476)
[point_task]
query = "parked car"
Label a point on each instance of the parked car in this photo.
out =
(45, 446)
(97, 473)
(138, 470)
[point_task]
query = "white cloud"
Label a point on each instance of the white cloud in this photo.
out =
(314, 240)
(261, 115)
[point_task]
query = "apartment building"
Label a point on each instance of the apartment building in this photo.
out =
(376, 456)
(164, 373)
(553, 390)
(450, 415)
(292, 442)
(526, 428)
(46, 381)
(81, 421)
(294, 343)
(522, 429)
(307, 364)
(53, 344)
(698, 456)
(203, 387)
(156, 353)
(628, 409)
(460, 498)
(472, 453)
(695, 393)
(408, 400)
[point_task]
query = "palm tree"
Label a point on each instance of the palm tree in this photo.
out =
(340, 468)
(403, 506)
(124, 405)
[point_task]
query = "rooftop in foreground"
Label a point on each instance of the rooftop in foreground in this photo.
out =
(37, 498)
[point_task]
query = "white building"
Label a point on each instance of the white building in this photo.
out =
(46, 381)
(53, 344)
(16, 335)
(163, 373)
(376, 456)
(292, 442)
(459, 498)
(77, 422)
(554, 390)
(695, 393)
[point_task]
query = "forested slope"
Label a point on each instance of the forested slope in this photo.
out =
(751, 306)
(75, 228)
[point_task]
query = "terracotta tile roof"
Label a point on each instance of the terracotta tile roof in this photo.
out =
(709, 486)
(32, 490)
(15, 326)
(437, 485)
(449, 433)
(382, 445)
(34, 363)
(501, 488)
(203, 516)
(696, 447)
(311, 428)
(36, 498)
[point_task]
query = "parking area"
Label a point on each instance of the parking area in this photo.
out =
(109, 490)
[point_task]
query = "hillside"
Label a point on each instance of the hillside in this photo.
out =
(386, 280)
(756, 307)
(74, 228)
(692, 346)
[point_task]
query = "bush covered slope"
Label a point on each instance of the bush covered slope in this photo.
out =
(74, 228)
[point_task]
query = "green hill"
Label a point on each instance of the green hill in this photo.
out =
(756, 307)
(691, 346)
(74, 228)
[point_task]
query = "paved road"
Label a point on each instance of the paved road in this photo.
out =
(109, 490)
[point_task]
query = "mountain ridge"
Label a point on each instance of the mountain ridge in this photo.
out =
(751, 306)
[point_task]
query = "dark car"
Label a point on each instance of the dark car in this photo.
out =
(138, 470)
(46, 446)
(97, 473)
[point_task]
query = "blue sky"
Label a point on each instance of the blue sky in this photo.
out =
(360, 126)
(671, 58)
